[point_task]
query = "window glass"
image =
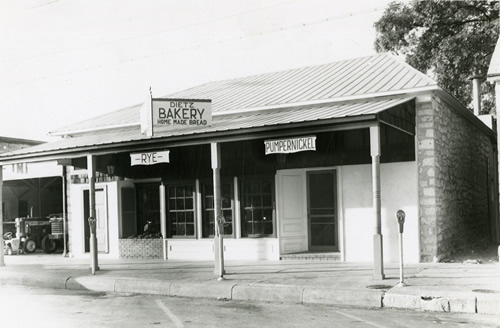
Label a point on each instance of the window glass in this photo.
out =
(208, 209)
(258, 208)
(181, 222)
(148, 208)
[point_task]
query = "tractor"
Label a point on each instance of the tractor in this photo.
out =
(34, 233)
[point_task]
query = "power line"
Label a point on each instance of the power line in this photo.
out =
(169, 52)
(145, 35)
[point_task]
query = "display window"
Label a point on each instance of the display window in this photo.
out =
(181, 211)
(258, 207)
(227, 205)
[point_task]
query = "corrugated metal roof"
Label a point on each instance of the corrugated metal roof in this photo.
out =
(221, 123)
(370, 76)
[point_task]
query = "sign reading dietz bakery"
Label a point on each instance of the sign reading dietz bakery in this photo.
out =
(181, 112)
(290, 145)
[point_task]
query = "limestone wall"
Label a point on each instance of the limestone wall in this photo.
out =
(453, 158)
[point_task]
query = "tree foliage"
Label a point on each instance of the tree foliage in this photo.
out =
(448, 40)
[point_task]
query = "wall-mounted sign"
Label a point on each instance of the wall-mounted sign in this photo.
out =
(181, 112)
(291, 145)
(150, 158)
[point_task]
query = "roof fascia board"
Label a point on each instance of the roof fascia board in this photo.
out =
(345, 123)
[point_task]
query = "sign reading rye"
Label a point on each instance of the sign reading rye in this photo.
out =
(182, 112)
(150, 158)
(291, 145)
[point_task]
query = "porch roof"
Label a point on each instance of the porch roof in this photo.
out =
(224, 127)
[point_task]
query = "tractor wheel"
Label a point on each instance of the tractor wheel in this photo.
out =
(29, 246)
(8, 250)
(49, 245)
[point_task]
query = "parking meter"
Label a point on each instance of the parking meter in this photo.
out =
(400, 215)
(220, 224)
(93, 245)
(92, 222)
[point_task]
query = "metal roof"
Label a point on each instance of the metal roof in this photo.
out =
(245, 121)
(381, 74)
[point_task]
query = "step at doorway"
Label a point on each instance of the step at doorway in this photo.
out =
(311, 256)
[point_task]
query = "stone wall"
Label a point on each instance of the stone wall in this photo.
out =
(453, 158)
(141, 248)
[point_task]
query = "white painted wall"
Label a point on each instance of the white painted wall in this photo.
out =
(31, 170)
(234, 249)
(399, 190)
(77, 221)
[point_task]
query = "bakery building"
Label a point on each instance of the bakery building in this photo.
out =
(310, 163)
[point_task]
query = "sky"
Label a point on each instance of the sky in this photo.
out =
(64, 61)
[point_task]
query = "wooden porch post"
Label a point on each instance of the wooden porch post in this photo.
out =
(378, 253)
(218, 217)
(163, 219)
(91, 163)
(65, 227)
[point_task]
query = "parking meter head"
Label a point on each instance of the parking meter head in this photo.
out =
(400, 215)
(92, 222)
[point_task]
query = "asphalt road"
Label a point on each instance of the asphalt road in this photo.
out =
(33, 307)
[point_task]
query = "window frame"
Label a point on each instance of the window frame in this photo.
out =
(193, 210)
(261, 178)
(204, 209)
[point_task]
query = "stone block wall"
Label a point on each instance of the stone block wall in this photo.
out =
(453, 158)
(141, 248)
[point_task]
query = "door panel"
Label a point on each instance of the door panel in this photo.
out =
(101, 220)
(292, 211)
(322, 210)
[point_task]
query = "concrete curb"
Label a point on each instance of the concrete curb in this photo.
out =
(410, 298)
(267, 293)
(208, 289)
(439, 301)
(488, 303)
(92, 283)
(142, 286)
(362, 298)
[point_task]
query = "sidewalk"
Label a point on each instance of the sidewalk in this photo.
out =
(444, 287)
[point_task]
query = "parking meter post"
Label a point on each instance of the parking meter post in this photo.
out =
(220, 235)
(400, 216)
(93, 246)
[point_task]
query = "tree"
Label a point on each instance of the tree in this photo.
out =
(448, 40)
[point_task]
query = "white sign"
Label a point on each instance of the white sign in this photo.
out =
(150, 158)
(292, 145)
(182, 112)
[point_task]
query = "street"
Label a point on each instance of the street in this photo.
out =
(22, 306)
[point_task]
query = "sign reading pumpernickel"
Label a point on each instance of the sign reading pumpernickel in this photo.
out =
(182, 112)
(291, 145)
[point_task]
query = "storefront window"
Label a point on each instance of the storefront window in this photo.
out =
(181, 211)
(148, 208)
(208, 209)
(258, 208)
